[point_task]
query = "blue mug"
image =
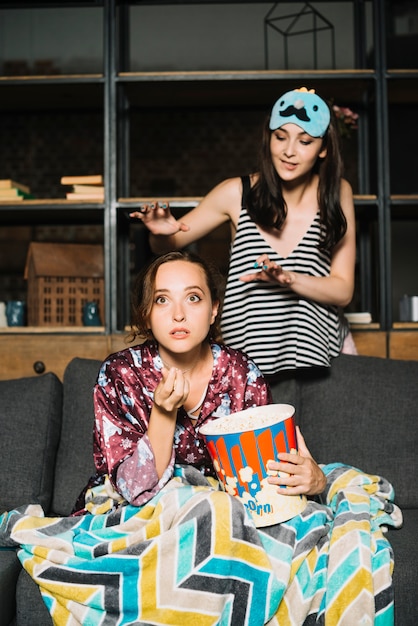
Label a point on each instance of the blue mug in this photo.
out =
(16, 313)
(91, 315)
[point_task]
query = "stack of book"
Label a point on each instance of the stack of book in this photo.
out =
(10, 191)
(84, 187)
(361, 317)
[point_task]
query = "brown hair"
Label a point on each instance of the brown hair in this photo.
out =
(142, 298)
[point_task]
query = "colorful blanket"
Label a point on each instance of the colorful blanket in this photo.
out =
(193, 557)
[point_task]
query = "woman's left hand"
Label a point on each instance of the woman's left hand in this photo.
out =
(269, 272)
(301, 473)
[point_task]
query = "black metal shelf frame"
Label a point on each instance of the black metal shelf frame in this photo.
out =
(119, 90)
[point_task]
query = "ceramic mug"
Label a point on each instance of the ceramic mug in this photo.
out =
(91, 315)
(16, 313)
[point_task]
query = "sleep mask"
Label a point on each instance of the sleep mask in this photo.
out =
(304, 108)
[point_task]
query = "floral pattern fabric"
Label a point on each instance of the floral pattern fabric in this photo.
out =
(123, 399)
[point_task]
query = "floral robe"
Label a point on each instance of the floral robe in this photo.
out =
(123, 399)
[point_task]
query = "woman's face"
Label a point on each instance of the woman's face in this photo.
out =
(182, 309)
(294, 152)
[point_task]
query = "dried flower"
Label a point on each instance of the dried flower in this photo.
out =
(346, 120)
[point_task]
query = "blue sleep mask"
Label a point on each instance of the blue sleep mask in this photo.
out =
(304, 108)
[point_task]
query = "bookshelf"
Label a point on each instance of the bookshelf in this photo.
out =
(129, 103)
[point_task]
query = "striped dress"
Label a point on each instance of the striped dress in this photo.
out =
(277, 328)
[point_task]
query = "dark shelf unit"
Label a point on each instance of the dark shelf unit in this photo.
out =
(117, 90)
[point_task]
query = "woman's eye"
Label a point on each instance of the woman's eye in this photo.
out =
(160, 300)
(194, 298)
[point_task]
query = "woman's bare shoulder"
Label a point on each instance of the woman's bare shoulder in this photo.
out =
(346, 189)
(225, 197)
(230, 186)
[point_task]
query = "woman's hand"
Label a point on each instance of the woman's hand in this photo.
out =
(269, 272)
(302, 475)
(172, 391)
(158, 218)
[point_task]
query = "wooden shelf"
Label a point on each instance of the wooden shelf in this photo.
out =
(36, 202)
(404, 198)
(45, 330)
(371, 326)
(403, 344)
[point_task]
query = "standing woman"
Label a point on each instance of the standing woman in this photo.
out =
(293, 240)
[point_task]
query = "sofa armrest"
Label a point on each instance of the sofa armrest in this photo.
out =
(30, 425)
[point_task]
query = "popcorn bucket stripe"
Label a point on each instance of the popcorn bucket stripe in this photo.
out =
(249, 444)
(267, 447)
(291, 434)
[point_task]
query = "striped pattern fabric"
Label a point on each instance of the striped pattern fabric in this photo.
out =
(193, 557)
(277, 328)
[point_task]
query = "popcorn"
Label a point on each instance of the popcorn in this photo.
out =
(249, 419)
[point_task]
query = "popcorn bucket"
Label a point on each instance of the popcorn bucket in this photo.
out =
(240, 446)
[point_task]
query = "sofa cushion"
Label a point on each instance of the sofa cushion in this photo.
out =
(30, 423)
(31, 610)
(286, 391)
(74, 463)
(404, 542)
(363, 411)
(9, 572)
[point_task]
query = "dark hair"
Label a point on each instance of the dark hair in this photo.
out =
(265, 202)
(142, 298)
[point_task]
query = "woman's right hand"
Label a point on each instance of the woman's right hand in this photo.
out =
(158, 218)
(172, 391)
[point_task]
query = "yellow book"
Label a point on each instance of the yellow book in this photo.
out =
(7, 183)
(93, 179)
(77, 197)
(95, 189)
(13, 194)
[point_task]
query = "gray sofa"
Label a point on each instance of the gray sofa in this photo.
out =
(363, 412)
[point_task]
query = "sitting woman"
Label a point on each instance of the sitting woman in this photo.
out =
(153, 540)
(151, 400)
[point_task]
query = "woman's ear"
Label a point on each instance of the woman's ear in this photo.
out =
(322, 154)
(215, 309)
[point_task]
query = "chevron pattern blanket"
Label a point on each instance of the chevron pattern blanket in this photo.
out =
(193, 557)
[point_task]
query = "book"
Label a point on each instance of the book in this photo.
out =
(13, 199)
(362, 317)
(88, 189)
(14, 194)
(7, 183)
(93, 179)
(85, 196)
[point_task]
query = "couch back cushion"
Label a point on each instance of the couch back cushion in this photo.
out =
(286, 391)
(30, 424)
(74, 463)
(363, 411)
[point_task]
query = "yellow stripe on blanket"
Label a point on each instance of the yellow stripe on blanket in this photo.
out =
(352, 477)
